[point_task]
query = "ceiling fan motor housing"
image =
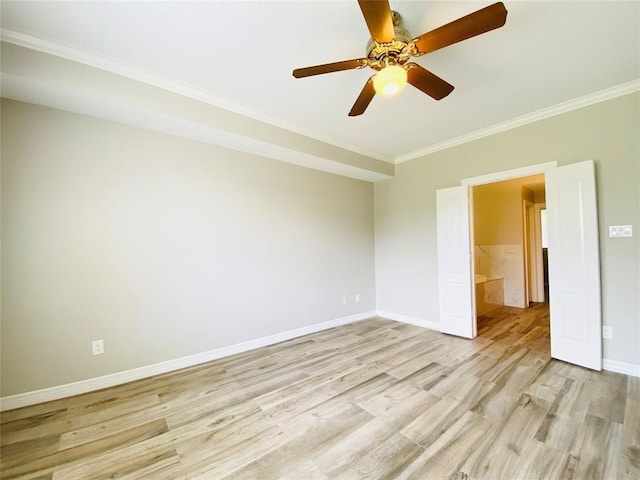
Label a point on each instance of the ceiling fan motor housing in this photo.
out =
(396, 52)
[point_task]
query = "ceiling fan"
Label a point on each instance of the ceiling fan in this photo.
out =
(392, 46)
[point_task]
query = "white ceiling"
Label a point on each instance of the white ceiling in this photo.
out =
(240, 55)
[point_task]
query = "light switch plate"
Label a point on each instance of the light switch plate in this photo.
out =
(620, 231)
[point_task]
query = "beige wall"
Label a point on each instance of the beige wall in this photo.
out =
(607, 132)
(163, 247)
(166, 247)
(497, 212)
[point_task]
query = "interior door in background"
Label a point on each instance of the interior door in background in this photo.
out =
(455, 285)
(574, 265)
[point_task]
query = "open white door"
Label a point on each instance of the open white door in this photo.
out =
(456, 293)
(574, 265)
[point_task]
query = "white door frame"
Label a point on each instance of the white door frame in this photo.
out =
(510, 174)
(543, 168)
(538, 267)
(527, 171)
(534, 264)
(528, 231)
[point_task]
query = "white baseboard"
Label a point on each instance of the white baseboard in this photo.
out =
(411, 320)
(84, 386)
(61, 391)
(621, 367)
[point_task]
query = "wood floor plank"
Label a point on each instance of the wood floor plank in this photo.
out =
(414, 363)
(510, 449)
(497, 403)
(62, 457)
(609, 398)
(277, 462)
(543, 462)
(466, 390)
(147, 465)
(294, 389)
(632, 412)
(386, 460)
(444, 456)
(20, 420)
(596, 434)
(27, 451)
(398, 407)
(347, 450)
(374, 399)
(548, 385)
(307, 470)
(237, 451)
(628, 454)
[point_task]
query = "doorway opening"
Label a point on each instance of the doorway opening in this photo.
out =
(574, 275)
(508, 252)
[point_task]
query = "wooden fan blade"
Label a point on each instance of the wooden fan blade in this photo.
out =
(484, 20)
(330, 67)
(426, 81)
(377, 14)
(364, 99)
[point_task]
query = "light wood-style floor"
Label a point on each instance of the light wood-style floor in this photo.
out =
(371, 400)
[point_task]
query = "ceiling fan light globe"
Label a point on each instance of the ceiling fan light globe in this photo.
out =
(390, 80)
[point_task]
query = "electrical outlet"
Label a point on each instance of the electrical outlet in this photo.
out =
(607, 332)
(344, 300)
(97, 347)
(357, 297)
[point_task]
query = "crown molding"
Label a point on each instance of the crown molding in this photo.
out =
(586, 100)
(157, 80)
(174, 86)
